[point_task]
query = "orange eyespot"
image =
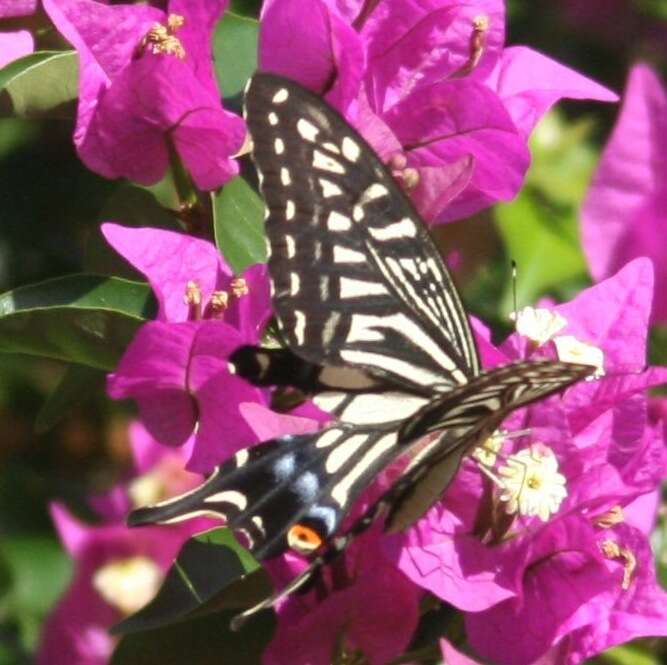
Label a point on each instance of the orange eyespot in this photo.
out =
(303, 540)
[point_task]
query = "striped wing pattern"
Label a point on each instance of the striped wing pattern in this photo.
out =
(313, 479)
(262, 492)
(376, 332)
(464, 419)
(357, 280)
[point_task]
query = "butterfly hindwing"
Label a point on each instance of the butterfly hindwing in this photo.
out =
(308, 481)
(493, 395)
(357, 280)
(460, 420)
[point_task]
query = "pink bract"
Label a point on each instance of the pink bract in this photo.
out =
(623, 216)
(137, 104)
(14, 45)
(176, 368)
(76, 631)
(553, 578)
(372, 608)
(407, 76)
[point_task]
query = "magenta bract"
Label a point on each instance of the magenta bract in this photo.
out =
(147, 89)
(623, 215)
(430, 87)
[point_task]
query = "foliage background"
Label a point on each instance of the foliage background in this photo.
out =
(50, 209)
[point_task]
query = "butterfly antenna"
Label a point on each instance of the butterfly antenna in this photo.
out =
(515, 306)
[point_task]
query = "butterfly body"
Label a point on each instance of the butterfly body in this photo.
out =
(376, 333)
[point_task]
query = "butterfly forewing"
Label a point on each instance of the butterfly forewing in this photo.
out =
(356, 277)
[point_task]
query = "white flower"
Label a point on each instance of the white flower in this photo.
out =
(128, 584)
(571, 350)
(532, 485)
(539, 325)
(145, 490)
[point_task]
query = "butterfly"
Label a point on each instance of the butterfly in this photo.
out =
(375, 332)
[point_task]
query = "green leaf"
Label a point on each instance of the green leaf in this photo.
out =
(235, 52)
(563, 159)
(238, 214)
(630, 654)
(39, 571)
(543, 240)
(210, 572)
(78, 384)
(85, 319)
(42, 83)
(225, 537)
(204, 641)
(539, 228)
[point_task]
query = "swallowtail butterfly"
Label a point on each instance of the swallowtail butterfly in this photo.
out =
(376, 332)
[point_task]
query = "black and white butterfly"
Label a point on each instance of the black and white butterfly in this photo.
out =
(375, 332)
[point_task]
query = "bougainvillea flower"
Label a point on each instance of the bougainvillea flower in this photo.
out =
(178, 374)
(589, 579)
(582, 581)
(613, 317)
(157, 473)
(191, 280)
(148, 90)
(429, 86)
(327, 56)
(117, 570)
(445, 122)
(623, 215)
(176, 367)
(636, 611)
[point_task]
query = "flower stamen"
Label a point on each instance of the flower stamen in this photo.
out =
(192, 299)
(487, 452)
(610, 518)
(613, 550)
(480, 26)
(239, 287)
(406, 175)
(161, 40)
(217, 304)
